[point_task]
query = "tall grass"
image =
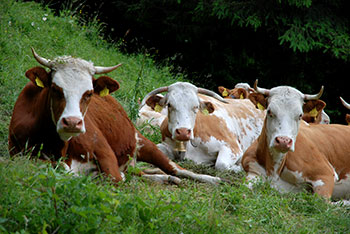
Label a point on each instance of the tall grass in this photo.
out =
(25, 25)
(37, 198)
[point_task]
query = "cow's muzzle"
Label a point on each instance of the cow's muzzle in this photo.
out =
(283, 143)
(182, 134)
(72, 125)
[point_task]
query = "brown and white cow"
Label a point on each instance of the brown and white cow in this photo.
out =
(313, 109)
(68, 113)
(291, 153)
(213, 130)
(240, 91)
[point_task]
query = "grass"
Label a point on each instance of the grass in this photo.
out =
(37, 198)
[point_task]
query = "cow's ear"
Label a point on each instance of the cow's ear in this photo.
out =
(347, 119)
(105, 85)
(241, 93)
(39, 77)
(207, 108)
(156, 102)
(313, 107)
(258, 100)
(223, 91)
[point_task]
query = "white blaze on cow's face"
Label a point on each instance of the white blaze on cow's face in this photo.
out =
(283, 117)
(71, 90)
(183, 104)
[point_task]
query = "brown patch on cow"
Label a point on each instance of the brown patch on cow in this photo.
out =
(206, 126)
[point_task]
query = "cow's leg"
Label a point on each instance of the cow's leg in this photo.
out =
(148, 152)
(226, 160)
(323, 185)
(108, 162)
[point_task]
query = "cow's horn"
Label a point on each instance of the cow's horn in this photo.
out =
(101, 70)
(314, 96)
(211, 94)
(154, 92)
(347, 105)
(43, 61)
(263, 91)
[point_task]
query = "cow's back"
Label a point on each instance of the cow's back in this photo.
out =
(238, 123)
(331, 140)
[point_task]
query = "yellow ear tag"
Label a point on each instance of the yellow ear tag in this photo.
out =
(241, 96)
(225, 93)
(205, 111)
(313, 112)
(104, 92)
(39, 82)
(260, 107)
(158, 108)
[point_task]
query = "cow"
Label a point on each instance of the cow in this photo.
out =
(240, 91)
(293, 154)
(315, 115)
(67, 113)
(211, 130)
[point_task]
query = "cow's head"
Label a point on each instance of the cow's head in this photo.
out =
(347, 106)
(183, 105)
(284, 106)
(70, 85)
(241, 91)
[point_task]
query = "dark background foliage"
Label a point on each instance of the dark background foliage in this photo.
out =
(301, 43)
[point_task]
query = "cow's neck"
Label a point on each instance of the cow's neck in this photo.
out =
(272, 161)
(46, 127)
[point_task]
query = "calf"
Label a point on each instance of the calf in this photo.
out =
(68, 113)
(210, 129)
(291, 153)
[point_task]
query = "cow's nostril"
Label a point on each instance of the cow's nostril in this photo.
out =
(64, 122)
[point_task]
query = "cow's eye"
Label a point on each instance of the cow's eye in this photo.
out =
(270, 113)
(300, 116)
(169, 106)
(87, 95)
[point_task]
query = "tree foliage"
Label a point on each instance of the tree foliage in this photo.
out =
(302, 43)
(303, 25)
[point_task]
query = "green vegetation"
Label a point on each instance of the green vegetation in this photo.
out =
(37, 198)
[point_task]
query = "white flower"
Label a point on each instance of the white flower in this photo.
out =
(44, 18)
(32, 24)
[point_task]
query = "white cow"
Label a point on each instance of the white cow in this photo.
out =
(211, 129)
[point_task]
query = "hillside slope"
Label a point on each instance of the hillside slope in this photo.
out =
(37, 198)
(25, 25)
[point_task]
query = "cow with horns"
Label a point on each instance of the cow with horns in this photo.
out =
(292, 154)
(204, 127)
(68, 113)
